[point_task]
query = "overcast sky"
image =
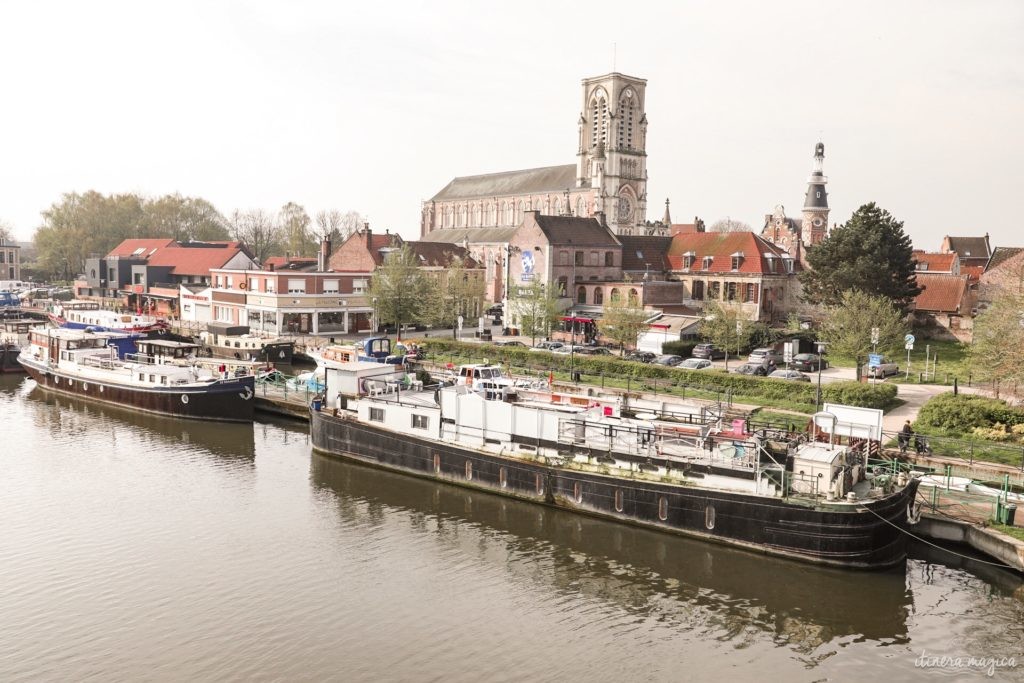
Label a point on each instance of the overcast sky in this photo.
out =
(376, 106)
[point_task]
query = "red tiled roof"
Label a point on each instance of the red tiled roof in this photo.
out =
(721, 246)
(196, 260)
(683, 229)
(129, 247)
(973, 273)
(941, 293)
(939, 262)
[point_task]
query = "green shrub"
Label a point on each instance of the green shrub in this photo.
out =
(879, 395)
(960, 414)
(679, 347)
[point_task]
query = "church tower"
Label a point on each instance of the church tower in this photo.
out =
(612, 153)
(814, 226)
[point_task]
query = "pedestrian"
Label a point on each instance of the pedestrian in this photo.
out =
(904, 437)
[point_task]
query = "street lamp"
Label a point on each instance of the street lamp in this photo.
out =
(817, 399)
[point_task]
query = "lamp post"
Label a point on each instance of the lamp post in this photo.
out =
(817, 398)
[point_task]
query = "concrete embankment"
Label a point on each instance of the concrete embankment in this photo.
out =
(999, 546)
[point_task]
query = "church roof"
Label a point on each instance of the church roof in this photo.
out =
(471, 235)
(641, 251)
(528, 181)
(579, 231)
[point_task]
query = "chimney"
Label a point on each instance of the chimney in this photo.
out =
(270, 267)
(599, 215)
(324, 257)
(368, 233)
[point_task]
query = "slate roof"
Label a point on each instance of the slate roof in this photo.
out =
(1001, 255)
(683, 229)
(440, 254)
(299, 263)
(639, 251)
(940, 293)
(472, 235)
(577, 231)
(940, 262)
(720, 246)
(816, 185)
(969, 247)
(527, 181)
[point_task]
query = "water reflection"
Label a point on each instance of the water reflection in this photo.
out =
(731, 594)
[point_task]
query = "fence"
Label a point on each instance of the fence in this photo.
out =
(967, 453)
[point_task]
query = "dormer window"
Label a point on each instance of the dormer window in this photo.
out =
(708, 260)
(737, 260)
(688, 259)
(922, 266)
(771, 260)
(788, 263)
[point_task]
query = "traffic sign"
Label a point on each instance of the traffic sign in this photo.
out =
(909, 339)
(875, 335)
(874, 360)
(909, 346)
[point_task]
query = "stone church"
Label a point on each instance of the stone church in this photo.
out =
(608, 180)
(794, 235)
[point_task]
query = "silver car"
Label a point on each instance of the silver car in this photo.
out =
(695, 364)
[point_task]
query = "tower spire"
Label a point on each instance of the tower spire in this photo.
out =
(667, 219)
(815, 212)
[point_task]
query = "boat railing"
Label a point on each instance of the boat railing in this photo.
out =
(141, 358)
(104, 362)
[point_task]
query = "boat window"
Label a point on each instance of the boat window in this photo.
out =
(618, 500)
(420, 422)
(377, 414)
(709, 516)
(464, 372)
(663, 508)
(469, 470)
(142, 377)
(503, 477)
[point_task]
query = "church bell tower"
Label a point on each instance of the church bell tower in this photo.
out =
(814, 226)
(612, 154)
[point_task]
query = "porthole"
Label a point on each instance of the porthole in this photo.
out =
(184, 398)
(709, 516)
(71, 382)
(503, 477)
(539, 484)
(577, 492)
(469, 470)
(101, 388)
(663, 508)
(618, 500)
(56, 380)
(85, 386)
(437, 463)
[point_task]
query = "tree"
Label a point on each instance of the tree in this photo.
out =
(258, 231)
(622, 321)
(337, 225)
(401, 292)
(6, 232)
(729, 225)
(298, 238)
(184, 219)
(725, 326)
(847, 328)
(535, 308)
(997, 351)
(870, 253)
(463, 294)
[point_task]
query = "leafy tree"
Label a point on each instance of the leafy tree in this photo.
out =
(258, 230)
(870, 253)
(997, 352)
(847, 328)
(463, 294)
(622, 321)
(183, 219)
(535, 308)
(298, 238)
(401, 292)
(725, 326)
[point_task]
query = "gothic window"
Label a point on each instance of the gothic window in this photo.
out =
(615, 295)
(599, 295)
(698, 290)
(563, 285)
(598, 121)
(478, 215)
(520, 208)
(627, 119)
(581, 295)
(506, 213)
(492, 214)
(460, 219)
(556, 208)
(449, 219)
(580, 207)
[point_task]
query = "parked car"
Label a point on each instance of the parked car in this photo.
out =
(708, 351)
(808, 362)
(794, 375)
(695, 363)
(887, 368)
(668, 359)
(495, 311)
(641, 356)
(548, 346)
(765, 355)
(510, 342)
(753, 369)
(593, 351)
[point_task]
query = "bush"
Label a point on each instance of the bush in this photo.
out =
(961, 414)
(848, 393)
(679, 347)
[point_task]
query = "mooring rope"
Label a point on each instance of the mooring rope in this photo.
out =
(934, 545)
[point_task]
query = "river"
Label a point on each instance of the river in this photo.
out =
(135, 547)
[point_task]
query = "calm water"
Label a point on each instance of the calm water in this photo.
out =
(142, 548)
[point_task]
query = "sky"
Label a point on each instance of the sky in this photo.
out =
(374, 107)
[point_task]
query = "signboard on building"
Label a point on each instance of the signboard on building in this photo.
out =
(528, 264)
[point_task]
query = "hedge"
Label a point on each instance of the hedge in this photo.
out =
(848, 393)
(679, 347)
(960, 414)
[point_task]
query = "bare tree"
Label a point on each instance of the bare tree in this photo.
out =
(337, 225)
(729, 225)
(258, 230)
(6, 232)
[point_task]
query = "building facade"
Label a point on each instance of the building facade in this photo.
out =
(795, 235)
(10, 260)
(609, 177)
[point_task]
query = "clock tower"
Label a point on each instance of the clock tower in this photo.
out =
(612, 152)
(814, 226)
